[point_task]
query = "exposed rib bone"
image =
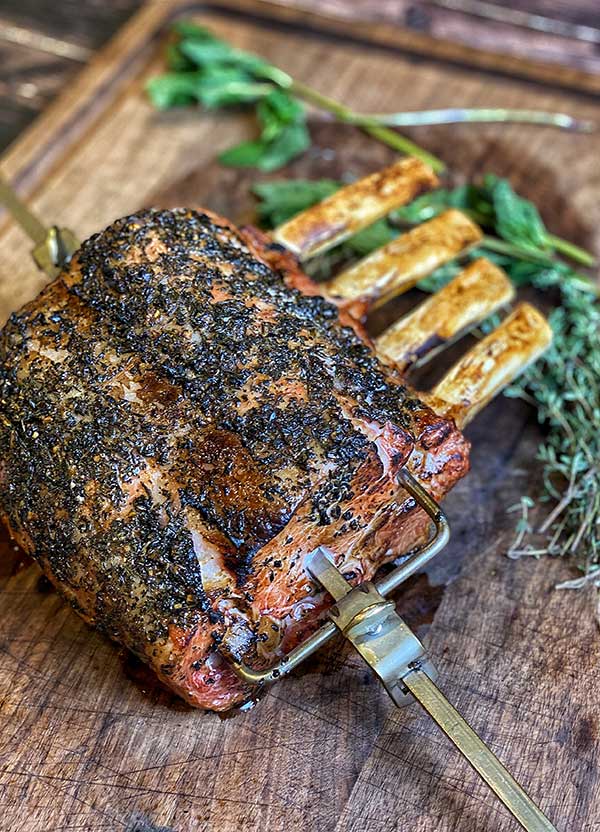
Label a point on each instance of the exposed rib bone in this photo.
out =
(354, 207)
(492, 364)
(398, 266)
(473, 295)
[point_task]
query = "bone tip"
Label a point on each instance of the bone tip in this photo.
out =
(454, 217)
(533, 326)
(417, 168)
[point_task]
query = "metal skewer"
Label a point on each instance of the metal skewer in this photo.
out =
(53, 247)
(397, 656)
(477, 754)
(370, 622)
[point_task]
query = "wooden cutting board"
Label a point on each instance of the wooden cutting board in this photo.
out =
(88, 740)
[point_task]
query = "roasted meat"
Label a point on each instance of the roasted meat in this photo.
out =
(183, 419)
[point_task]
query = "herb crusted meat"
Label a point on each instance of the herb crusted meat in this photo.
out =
(183, 419)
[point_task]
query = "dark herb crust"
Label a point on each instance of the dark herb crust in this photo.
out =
(172, 383)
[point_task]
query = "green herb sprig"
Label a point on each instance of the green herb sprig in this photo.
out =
(206, 70)
(564, 386)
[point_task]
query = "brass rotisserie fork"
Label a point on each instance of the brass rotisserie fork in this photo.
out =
(363, 614)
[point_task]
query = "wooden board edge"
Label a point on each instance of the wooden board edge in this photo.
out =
(386, 34)
(64, 121)
(52, 134)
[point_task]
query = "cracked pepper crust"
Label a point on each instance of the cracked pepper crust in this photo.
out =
(183, 419)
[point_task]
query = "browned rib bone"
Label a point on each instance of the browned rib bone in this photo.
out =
(397, 267)
(473, 295)
(492, 364)
(354, 207)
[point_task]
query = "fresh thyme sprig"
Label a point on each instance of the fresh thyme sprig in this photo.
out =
(207, 70)
(564, 386)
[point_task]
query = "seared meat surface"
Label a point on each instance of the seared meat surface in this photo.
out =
(184, 419)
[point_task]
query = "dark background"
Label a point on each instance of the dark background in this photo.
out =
(44, 43)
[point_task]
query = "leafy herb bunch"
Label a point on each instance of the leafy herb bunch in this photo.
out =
(208, 71)
(205, 70)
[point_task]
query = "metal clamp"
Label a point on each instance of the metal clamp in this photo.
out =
(55, 250)
(412, 564)
(396, 655)
(373, 627)
(53, 247)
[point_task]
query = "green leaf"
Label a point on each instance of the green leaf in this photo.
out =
(279, 108)
(468, 198)
(173, 89)
(187, 29)
(269, 155)
(214, 94)
(282, 199)
(423, 207)
(176, 61)
(517, 219)
(216, 52)
(284, 135)
(225, 86)
(289, 143)
(206, 50)
(375, 236)
(244, 155)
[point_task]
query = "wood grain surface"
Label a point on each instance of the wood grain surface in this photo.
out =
(88, 740)
(43, 44)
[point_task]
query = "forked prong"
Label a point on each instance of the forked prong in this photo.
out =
(399, 265)
(354, 207)
(470, 297)
(491, 364)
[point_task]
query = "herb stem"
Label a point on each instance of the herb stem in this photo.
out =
(579, 255)
(459, 115)
(382, 133)
(513, 250)
(378, 124)
(576, 279)
(401, 143)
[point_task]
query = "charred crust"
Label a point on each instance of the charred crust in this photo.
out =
(172, 347)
